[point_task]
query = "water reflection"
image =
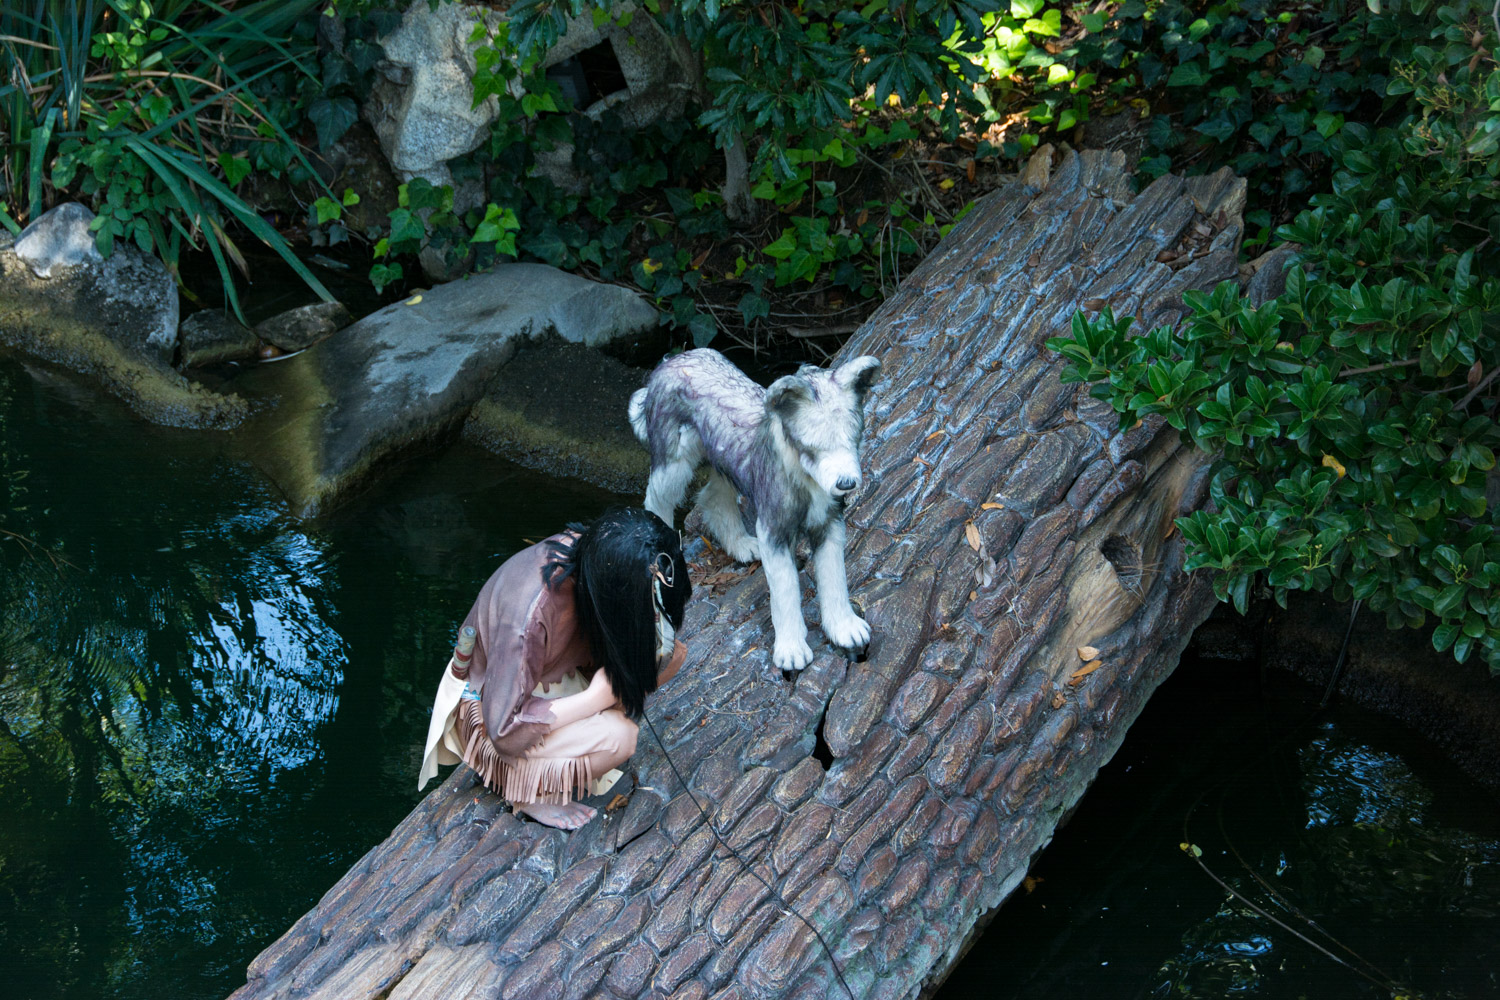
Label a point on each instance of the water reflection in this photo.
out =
(1220, 956)
(208, 710)
(1338, 830)
(1346, 784)
(170, 665)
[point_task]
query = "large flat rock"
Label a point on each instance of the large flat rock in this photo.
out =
(408, 374)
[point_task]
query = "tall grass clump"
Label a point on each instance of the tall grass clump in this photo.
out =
(154, 113)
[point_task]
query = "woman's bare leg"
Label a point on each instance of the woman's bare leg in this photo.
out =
(613, 734)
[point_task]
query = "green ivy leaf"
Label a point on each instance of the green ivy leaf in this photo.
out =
(703, 330)
(327, 210)
(331, 117)
(783, 247)
(1188, 75)
(236, 168)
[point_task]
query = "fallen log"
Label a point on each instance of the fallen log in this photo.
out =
(1017, 560)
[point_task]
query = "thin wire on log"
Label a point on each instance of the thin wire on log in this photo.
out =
(785, 906)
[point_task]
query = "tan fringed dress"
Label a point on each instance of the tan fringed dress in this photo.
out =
(493, 712)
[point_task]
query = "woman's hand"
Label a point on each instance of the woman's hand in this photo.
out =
(669, 669)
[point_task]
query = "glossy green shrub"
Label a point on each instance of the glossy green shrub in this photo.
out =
(1354, 416)
(1261, 86)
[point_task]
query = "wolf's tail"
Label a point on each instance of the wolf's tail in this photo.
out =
(638, 414)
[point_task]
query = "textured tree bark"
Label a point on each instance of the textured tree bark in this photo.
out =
(892, 802)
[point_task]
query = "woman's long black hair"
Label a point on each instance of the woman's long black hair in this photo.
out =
(613, 563)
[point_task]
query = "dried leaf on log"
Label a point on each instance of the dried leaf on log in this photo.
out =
(1084, 671)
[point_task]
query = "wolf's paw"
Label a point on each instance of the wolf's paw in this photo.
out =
(791, 654)
(746, 550)
(849, 631)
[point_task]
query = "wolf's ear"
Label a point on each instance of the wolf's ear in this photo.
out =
(858, 374)
(787, 393)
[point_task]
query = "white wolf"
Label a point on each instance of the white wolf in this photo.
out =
(792, 451)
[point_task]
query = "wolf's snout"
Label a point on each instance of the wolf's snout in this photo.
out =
(847, 484)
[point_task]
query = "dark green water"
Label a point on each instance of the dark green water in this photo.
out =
(1342, 825)
(208, 711)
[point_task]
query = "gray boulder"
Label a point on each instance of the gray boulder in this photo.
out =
(58, 239)
(114, 319)
(298, 329)
(654, 82)
(208, 337)
(403, 376)
(422, 109)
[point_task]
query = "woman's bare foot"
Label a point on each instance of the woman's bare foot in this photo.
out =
(568, 816)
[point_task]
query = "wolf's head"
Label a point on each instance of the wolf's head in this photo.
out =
(819, 415)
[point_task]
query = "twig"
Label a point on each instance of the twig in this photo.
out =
(1379, 978)
(824, 352)
(1484, 383)
(932, 195)
(753, 348)
(27, 41)
(142, 74)
(806, 333)
(809, 315)
(1376, 368)
(29, 544)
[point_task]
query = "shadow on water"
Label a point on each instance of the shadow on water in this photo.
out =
(208, 711)
(1339, 825)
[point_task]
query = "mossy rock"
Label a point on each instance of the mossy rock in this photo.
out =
(406, 377)
(107, 320)
(562, 408)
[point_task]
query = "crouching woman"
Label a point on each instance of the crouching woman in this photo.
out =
(571, 636)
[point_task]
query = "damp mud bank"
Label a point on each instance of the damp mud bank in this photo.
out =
(892, 802)
(562, 408)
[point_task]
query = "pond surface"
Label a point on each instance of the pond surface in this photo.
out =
(208, 711)
(1337, 829)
